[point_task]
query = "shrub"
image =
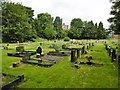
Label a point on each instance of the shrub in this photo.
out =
(66, 39)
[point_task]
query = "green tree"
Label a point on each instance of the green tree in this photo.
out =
(17, 22)
(115, 19)
(44, 26)
(101, 34)
(76, 28)
(58, 27)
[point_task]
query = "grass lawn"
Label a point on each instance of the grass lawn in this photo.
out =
(64, 74)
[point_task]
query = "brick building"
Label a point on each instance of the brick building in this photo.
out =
(65, 27)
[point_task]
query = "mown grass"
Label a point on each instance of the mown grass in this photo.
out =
(64, 74)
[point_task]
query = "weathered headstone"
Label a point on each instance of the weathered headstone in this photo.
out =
(73, 58)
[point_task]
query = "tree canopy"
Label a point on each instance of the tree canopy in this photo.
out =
(86, 30)
(18, 24)
(115, 19)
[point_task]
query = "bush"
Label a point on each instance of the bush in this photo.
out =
(66, 39)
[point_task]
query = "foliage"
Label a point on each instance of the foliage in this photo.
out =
(75, 29)
(58, 27)
(17, 22)
(44, 26)
(66, 39)
(19, 25)
(115, 19)
(86, 30)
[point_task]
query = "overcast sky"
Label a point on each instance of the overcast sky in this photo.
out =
(96, 10)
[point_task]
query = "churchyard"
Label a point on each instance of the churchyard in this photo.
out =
(71, 64)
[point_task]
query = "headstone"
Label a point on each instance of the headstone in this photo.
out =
(109, 51)
(39, 50)
(73, 58)
(87, 47)
(26, 56)
(89, 58)
(20, 49)
(83, 50)
(76, 66)
(106, 47)
(78, 53)
(14, 64)
(56, 47)
(41, 43)
(18, 43)
(119, 60)
(113, 55)
(39, 61)
(21, 77)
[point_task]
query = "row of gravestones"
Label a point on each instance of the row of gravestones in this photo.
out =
(111, 52)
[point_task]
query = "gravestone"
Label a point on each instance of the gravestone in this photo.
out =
(113, 55)
(89, 58)
(109, 51)
(26, 56)
(106, 46)
(56, 48)
(64, 46)
(14, 64)
(119, 61)
(78, 53)
(39, 61)
(87, 47)
(83, 50)
(20, 49)
(73, 58)
(38, 52)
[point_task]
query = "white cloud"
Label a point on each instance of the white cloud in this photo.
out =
(96, 10)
